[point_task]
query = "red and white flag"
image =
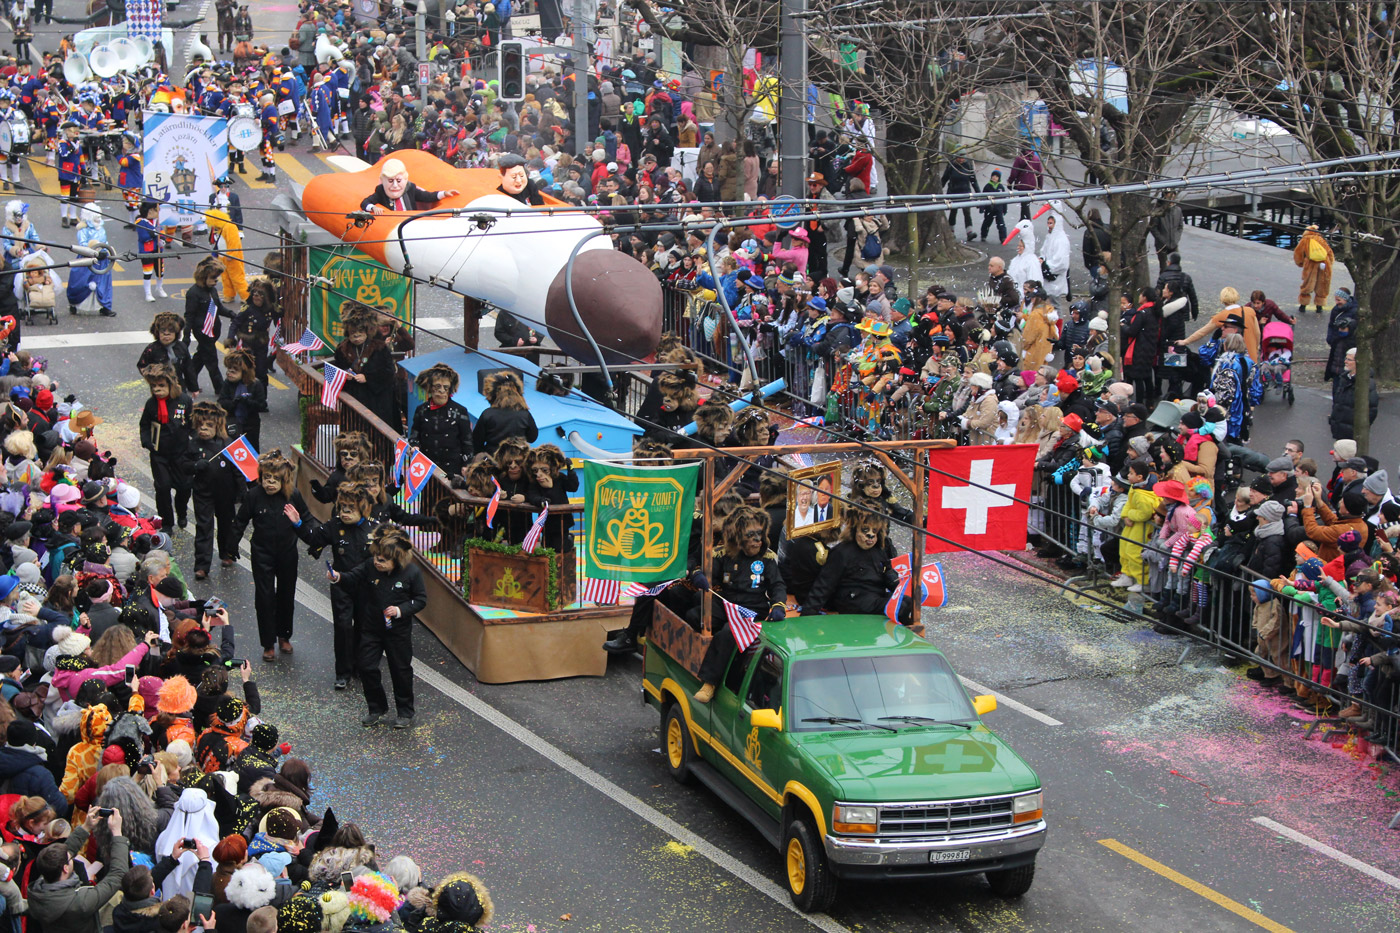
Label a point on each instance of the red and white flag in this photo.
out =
(743, 623)
(532, 537)
(335, 381)
(493, 505)
(602, 592)
(242, 455)
(972, 498)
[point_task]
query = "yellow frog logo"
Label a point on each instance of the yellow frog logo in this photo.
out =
(752, 750)
(507, 587)
(635, 536)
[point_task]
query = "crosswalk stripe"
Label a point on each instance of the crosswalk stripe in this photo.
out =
(289, 163)
(47, 177)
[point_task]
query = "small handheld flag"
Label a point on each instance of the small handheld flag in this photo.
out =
(272, 339)
(602, 592)
(532, 537)
(637, 590)
(335, 381)
(896, 598)
(420, 470)
(309, 343)
(742, 622)
(211, 318)
(400, 456)
(242, 455)
(493, 504)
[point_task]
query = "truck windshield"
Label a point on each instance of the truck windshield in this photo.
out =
(875, 689)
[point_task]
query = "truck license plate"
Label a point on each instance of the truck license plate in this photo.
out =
(950, 855)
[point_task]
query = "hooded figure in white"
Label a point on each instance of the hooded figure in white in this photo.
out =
(1006, 433)
(193, 819)
(1056, 253)
(1025, 265)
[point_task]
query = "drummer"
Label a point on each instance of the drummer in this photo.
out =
(49, 113)
(14, 120)
(238, 105)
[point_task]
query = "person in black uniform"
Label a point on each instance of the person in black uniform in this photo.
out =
(508, 415)
(393, 588)
(347, 535)
(747, 575)
(167, 347)
(551, 481)
(274, 549)
(202, 298)
(509, 457)
(858, 577)
(442, 428)
(218, 486)
(165, 433)
(516, 181)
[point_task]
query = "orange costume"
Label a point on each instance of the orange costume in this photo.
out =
(1315, 258)
(83, 757)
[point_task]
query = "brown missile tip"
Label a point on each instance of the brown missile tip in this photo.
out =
(619, 301)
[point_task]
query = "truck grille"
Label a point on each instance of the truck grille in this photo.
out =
(947, 818)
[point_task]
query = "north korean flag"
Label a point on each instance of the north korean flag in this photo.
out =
(420, 470)
(972, 498)
(242, 455)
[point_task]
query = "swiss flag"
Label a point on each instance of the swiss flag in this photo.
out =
(969, 497)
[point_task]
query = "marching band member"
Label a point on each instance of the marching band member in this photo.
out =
(237, 104)
(272, 135)
(148, 244)
(19, 138)
(49, 113)
(71, 166)
(129, 175)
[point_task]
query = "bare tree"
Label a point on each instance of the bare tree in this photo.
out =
(1330, 74)
(1122, 79)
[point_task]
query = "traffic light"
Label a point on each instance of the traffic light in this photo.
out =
(512, 70)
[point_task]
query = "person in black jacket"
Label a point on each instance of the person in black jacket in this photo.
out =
(167, 347)
(747, 575)
(393, 588)
(165, 433)
(351, 449)
(1141, 331)
(960, 177)
(1342, 418)
(442, 428)
(347, 535)
(857, 577)
(369, 362)
(1098, 242)
(243, 397)
(1181, 285)
(201, 300)
(551, 481)
(218, 485)
(383, 508)
(510, 332)
(22, 768)
(508, 415)
(253, 324)
(274, 549)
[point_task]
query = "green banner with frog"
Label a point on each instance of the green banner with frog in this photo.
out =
(637, 521)
(354, 276)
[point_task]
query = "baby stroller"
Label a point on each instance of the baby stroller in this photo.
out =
(1276, 359)
(39, 297)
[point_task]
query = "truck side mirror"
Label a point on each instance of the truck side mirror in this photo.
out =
(766, 719)
(984, 704)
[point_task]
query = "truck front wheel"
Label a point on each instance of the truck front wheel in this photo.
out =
(1012, 882)
(810, 883)
(676, 744)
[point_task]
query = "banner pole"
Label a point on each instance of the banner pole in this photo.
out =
(707, 543)
(916, 551)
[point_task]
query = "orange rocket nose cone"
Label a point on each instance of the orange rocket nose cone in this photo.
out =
(620, 300)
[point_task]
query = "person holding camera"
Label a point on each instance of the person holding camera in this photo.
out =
(59, 897)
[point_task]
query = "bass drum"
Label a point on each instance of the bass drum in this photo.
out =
(244, 134)
(245, 109)
(6, 142)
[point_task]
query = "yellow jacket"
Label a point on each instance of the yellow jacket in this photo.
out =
(235, 281)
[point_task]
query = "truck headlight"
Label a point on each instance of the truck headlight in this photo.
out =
(1026, 808)
(855, 819)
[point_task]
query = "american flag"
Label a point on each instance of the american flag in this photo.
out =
(272, 339)
(532, 537)
(742, 622)
(211, 318)
(335, 381)
(309, 343)
(636, 590)
(602, 592)
(493, 504)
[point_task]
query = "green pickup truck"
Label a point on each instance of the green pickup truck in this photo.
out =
(854, 748)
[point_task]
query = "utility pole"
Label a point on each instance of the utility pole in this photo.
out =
(584, 15)
(420, 29)
(792, 96)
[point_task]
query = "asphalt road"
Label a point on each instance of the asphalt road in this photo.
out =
(1156, 772)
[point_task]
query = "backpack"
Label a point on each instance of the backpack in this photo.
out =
(871, 248)
(1317, 250)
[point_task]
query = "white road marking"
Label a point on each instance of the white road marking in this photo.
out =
(601, 784)
(1323, 849)
(32, 341)
(1004, 700)
(318, 603)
